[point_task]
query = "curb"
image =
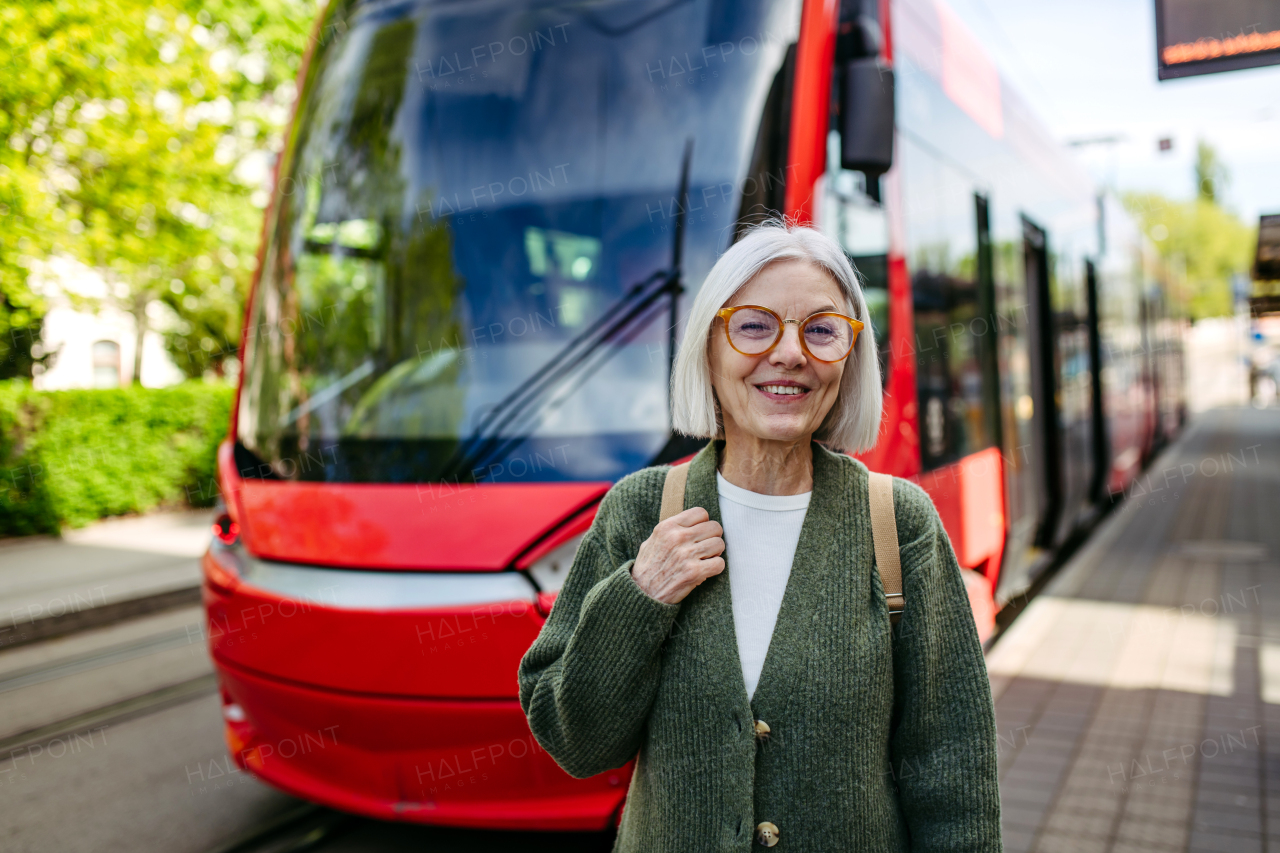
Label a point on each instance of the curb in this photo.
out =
(12, 636)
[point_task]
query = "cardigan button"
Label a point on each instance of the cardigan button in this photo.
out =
(761, 729)
(767, 833)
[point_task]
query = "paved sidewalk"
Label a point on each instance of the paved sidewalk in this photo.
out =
(1138, 697)
(108, 563)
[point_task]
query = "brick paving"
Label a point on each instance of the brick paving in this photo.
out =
(1138, 696)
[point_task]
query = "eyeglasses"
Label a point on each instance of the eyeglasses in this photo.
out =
(755, 330)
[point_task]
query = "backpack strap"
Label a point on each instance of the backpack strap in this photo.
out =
(884, 538)
(884, 529)
(673, 491)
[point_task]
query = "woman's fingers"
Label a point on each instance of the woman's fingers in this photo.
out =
(694, 520)
(682, 552)
(691, 516)
(712, 546)
(706, 530)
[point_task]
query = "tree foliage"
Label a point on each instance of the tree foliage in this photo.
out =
(136, 138)
(1211, 173)
(1203, 242)
(71, 457)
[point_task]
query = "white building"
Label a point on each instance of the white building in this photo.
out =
(92, 337)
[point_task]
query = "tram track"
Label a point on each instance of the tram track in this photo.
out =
(68, 687)
(117, 653)
(112, 714)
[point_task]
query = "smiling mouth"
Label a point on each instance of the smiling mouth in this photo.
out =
(783, 390)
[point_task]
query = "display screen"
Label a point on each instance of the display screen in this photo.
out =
(1267, 265)
(1208, 36)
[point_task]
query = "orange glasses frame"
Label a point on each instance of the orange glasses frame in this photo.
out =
(726, 313)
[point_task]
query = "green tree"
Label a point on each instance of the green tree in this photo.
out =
(1211, 174)
(1211, 244)
(1202, 241)
(136, 137)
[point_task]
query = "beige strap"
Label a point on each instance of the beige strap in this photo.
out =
(673, 491)
(884, 536)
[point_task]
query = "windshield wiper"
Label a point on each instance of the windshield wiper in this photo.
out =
(327, 393)
(493, 436)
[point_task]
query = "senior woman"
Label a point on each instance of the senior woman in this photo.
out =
(742, 650)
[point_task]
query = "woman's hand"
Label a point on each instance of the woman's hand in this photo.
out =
(681, 553)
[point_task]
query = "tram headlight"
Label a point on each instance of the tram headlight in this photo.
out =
(550, 570)
(225, 530)
(223, 564)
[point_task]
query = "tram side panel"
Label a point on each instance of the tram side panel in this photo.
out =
(1128, 397)
(983, 457)
(1171, 334)
(1074, 386)
(960, 460)
(1125, 393)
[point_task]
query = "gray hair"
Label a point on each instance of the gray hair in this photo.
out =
(854, 420)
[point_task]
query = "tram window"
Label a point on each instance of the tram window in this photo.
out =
(874, 270)
(949, 322)
(564, 264)
(948, 371)
(861, 228)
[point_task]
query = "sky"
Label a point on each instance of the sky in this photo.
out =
(1089, 69)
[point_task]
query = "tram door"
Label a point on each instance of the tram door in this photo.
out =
(1101, 440)
(1073, 398)
(1046, 450)
(1022, 322)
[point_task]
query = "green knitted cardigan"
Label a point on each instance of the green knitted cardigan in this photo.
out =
(882, 738)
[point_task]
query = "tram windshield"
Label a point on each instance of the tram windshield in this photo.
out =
(473, 188)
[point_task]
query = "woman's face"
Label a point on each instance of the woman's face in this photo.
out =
(747, 386)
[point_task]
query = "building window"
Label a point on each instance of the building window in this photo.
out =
(106, 364)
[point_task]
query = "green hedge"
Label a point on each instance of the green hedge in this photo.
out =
(70, 457)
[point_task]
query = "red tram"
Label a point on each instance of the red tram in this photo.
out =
(488, 218)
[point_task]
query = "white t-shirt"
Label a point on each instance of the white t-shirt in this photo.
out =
(760, 537)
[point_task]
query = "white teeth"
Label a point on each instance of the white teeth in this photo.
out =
(782, 389)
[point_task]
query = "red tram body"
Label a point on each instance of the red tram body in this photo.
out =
(436, 395)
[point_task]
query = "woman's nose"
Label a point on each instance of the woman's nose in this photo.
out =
(788, 351)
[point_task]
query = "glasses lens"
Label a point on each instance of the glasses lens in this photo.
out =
(829, 337)
(752, 331)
